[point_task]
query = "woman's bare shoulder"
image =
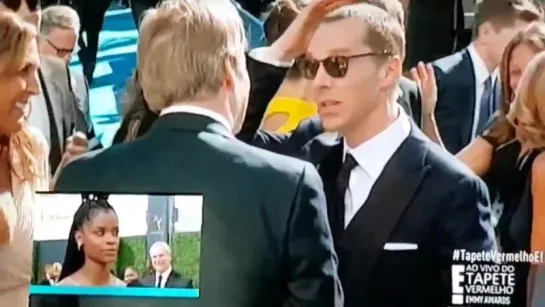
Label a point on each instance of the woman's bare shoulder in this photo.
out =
(68, 281)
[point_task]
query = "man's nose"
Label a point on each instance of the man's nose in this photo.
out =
(322, 78)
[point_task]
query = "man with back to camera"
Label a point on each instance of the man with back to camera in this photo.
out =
(467, 86)
(164, 275)
(266, 241)
(395, 249)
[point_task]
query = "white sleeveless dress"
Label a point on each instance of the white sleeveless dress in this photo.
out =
(16, 258)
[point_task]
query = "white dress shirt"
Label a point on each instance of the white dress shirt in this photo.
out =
(372, 157)
(481, 75)
(164, 278)
(192, 109)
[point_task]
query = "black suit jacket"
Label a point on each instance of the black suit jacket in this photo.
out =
(439, 205)
(265, 238)
(455, 107)
(174, 280)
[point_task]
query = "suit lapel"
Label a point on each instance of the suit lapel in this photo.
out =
(55, 99)
(468, 118)
(325, 152)
(393, 191)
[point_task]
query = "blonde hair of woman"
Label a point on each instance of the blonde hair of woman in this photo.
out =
(23, 156)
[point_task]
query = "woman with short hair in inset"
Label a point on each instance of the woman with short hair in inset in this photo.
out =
(23, 156)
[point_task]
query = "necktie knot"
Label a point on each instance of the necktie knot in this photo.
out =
(349, 164)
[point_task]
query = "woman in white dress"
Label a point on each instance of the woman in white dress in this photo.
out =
(23, 157)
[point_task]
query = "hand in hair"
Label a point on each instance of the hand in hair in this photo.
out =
(295, 40)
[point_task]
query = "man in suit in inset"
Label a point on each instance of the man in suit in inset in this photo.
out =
(467, 86)
(265, 238)
(398, 205)
(164, 276)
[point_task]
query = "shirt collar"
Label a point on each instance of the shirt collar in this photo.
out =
(373, 154)
(192, 109)
(479, 67)
(165, 274)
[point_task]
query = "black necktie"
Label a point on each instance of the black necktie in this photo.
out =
(486, 107)
(342, 185)
(159, 281)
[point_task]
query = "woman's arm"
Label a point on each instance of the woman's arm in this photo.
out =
(477, 156)
(429, 127)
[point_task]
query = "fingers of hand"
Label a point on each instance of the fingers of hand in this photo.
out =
(431, 74)
(78, 138)
(415, 76)
(422, 72)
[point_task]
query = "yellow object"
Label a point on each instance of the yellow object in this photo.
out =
(295, 110)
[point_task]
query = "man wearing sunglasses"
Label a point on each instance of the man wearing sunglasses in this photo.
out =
(397, 204)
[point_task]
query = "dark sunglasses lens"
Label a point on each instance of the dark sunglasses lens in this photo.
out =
(336, 66)
(309, 68)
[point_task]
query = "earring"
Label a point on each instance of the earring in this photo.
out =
(79, 246)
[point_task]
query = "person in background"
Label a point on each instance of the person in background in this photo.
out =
(164, 276)
(468, 88)
(52, 273)
(93, 244)
(440, 22)
(131, 277)
(59, 31)
(289, 106)
(23, 156)
(496, 154)
(91, 15)
(138, 7)
(137, 118)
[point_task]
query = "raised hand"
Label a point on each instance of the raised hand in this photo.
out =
(424, 76)
(295, 40)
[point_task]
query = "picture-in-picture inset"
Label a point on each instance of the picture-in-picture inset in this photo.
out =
(117, 245)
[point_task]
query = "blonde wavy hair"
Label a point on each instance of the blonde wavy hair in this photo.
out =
(16, 35)
(534, 37)
(527, 112)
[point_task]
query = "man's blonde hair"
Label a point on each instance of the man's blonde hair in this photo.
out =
(185, 48)
(59, 17)
(384, 34)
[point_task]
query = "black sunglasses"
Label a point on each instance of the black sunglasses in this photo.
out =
(60, 51)
(335, 66)
(33, 5)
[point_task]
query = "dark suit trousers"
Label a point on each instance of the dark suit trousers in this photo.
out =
(138, 7)
(91, 14)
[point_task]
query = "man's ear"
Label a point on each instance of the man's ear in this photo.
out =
(392, 72)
